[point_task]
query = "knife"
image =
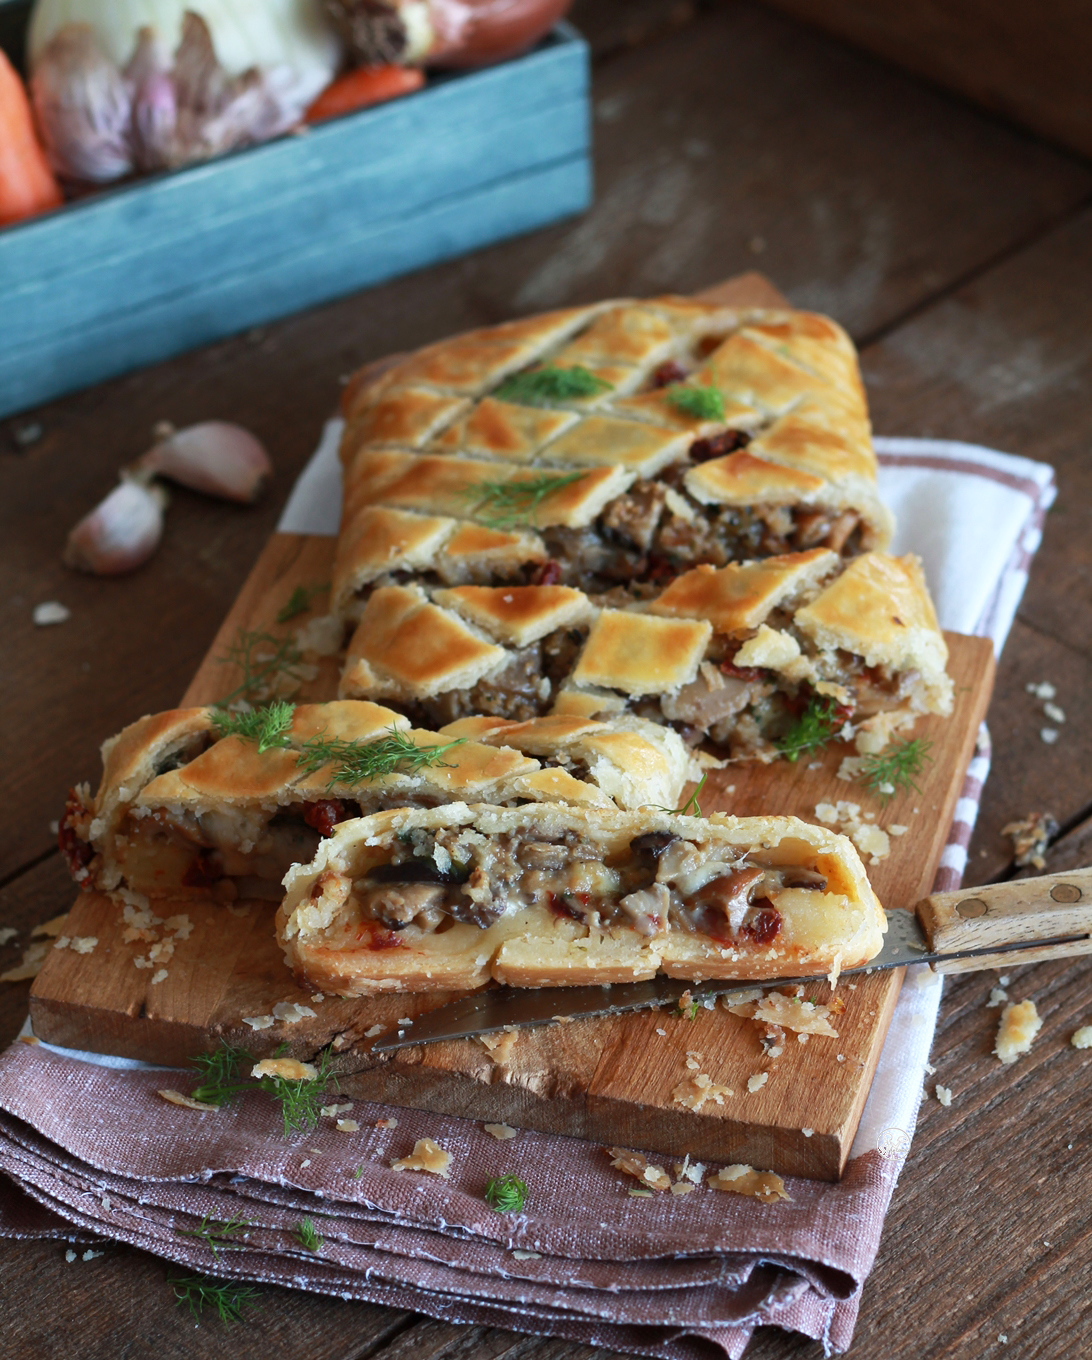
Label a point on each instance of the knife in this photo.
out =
(998, 926)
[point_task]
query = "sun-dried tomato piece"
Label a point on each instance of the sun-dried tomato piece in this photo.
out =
(76, 852)
(764, 926)
(717, 445)
(204, 870)
(548, 574)
(740, 672)
(670, 371)
(324, 815)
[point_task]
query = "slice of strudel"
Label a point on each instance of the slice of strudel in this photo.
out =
(549, 895)
(199, 802)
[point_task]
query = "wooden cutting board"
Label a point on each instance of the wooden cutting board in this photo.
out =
(610, 1079)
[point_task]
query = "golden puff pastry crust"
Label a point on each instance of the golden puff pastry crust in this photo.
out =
(726, 654)
(550, 896)
(183, 809)
(610, 447)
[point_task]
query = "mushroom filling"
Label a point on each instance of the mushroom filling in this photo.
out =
(657, 883)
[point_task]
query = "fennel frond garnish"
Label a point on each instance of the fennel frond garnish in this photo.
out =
(218, 1235)
(543, 386)
(265, 662)
(895, 768)
(307, 1236)
(227, 1298)
(268, 726)
(505, 1194)
(703, 403)
(299, 602)
(506, 505)
(812, 728)
(300, 1100)
(354, 762)
(691, 803)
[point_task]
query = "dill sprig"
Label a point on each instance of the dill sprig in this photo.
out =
(220, 1070)
(355, 762)
(301, 1101)
(691, 802)
(268, 726)
(264, 661)
(703, 403)
(811, 729)
(895, 768)
(505, 505)
(218, 1235)
(307, 1236)
(506, 1194)
(227, 1298)
(543, 386)
(299, 602)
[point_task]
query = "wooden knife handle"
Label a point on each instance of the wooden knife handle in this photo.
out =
(1003, 914)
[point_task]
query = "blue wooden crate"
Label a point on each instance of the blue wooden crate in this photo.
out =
(152, 268)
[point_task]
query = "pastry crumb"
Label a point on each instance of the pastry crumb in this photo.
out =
(500, 1045)
(808, 1133)
(1082, 1038)
(348, 1126)
(870, 839)
(519, 1255)
(1020, 1023)
(998, 997)
(683, 1188)
(177, 1098)
(161, 976)
(34, 956)
(291, 1013)
(696, 1090)
(1031, 837)
(386, 1123)
(49, 612)
(944, 1095)
(500, 1131)
(426, 1156)
(328, 1111)
(288, 1069)
(741, 1179)
(373, 1032)
(259, 1021)
(638, 1166)
(756, 1081)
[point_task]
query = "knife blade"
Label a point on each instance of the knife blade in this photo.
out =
(1004, 923)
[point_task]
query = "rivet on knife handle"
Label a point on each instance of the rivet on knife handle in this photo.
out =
(1008, 914)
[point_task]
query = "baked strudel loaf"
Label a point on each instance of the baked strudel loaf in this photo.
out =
(184, 809)
(546, 895)
(609, 447)
(731, 655)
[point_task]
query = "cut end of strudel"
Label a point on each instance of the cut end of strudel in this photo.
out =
(726, 656)
(668, 433)
(548, 896)
(184, 812)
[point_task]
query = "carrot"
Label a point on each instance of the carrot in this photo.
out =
(27, 185)
(366, 85)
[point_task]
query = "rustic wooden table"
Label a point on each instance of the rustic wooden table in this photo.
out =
(958, 251)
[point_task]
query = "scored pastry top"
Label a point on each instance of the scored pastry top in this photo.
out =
(731, 653)
(610, 446)
(193, 781)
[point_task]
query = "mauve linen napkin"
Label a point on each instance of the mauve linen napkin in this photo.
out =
(90, 1151)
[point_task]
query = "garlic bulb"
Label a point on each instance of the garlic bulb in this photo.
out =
(213, 457)
(120, 533)
(123, 85)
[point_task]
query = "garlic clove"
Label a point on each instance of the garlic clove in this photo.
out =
(83, 107)
(120, 533)
(213, 457)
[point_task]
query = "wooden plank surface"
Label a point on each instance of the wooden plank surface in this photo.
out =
(1026, 62)
(947, 195)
